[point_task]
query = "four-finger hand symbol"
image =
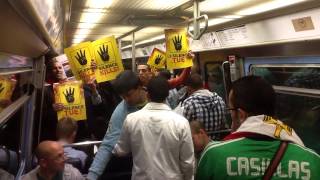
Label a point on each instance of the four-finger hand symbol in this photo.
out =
(177, 42)
(104, 55)
(158, 59)
(81, 57)
(69, 95)
(1, 88)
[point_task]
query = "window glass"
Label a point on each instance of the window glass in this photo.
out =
(300, 77)
(300, 112)
(303, 115)
(214, 78)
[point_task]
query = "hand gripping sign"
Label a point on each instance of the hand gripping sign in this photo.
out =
(80, 59)
(177, 48)
(71, 95)
(157, 59)
(108, 59)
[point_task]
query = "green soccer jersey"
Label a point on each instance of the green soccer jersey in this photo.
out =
(246, 158)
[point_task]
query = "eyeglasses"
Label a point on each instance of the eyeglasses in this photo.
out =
(232, 109)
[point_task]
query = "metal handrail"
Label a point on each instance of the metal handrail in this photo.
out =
(15, 71)
(219, 132)
(12, 108)
(21, 169)
(297, 91)
(84, 143)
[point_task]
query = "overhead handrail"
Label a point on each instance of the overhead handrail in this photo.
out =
(198, 35)
(197, 31)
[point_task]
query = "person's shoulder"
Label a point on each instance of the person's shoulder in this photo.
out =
(120, 107)
(216, 146)
(72, 173)
(305, 151)
(5, 175)
(30, 175)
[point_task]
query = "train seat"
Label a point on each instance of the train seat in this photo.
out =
(8, 160)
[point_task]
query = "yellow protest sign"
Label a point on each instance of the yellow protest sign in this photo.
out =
(71, 95)
(177, 47)
(80, 59)
(7, 86)
(157, 59)
(108, 59)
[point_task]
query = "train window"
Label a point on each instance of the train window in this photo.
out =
(303, 115)
(214, 78)
(298, 97)
(292, 76)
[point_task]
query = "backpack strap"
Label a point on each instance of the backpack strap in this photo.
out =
(275, 160)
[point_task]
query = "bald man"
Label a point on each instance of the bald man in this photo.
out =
(51, 164)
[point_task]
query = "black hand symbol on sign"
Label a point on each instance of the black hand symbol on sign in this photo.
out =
(81, 57)
(69, 95)
(177, 42)
(104, 53)
(158, 59)
(1, 88)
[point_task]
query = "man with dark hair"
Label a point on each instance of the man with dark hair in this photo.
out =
(128, 86)
(145, 73)
(66, 133)
(159, 139)
(261, 146)
(52, 165)
(203, 105)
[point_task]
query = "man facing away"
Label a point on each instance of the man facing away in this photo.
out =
(129, 86)
(52, 165)
(248, 151)
(159, 139)
(204, 106)
(66, 134)
(200, 137)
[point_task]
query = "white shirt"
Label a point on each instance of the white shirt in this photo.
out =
(161, 144)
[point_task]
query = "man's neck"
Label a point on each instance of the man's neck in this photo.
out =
(46, 174)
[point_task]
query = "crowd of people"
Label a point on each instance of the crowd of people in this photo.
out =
(165, 131)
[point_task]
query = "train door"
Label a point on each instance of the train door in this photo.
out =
(18, 78)
(296, 82)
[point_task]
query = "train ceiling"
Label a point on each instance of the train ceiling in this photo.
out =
(88, 20)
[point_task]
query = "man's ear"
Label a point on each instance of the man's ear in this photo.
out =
(148, 96)
(242, 115)
(202, 132)
(42, 162)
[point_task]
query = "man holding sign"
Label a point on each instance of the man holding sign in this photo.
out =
(52, 107)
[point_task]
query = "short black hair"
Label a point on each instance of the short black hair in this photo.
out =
(254, 95)
(158, 89)
(165, 73)
(126, 81)
(194, 81)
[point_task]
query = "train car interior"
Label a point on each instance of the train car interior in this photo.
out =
(278, 40)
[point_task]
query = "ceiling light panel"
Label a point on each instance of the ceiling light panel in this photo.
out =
(159, 5)
(219, 5)
(275, 4)
(154, 29)
(99, 4)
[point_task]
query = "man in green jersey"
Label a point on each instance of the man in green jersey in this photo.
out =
(247, 152)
